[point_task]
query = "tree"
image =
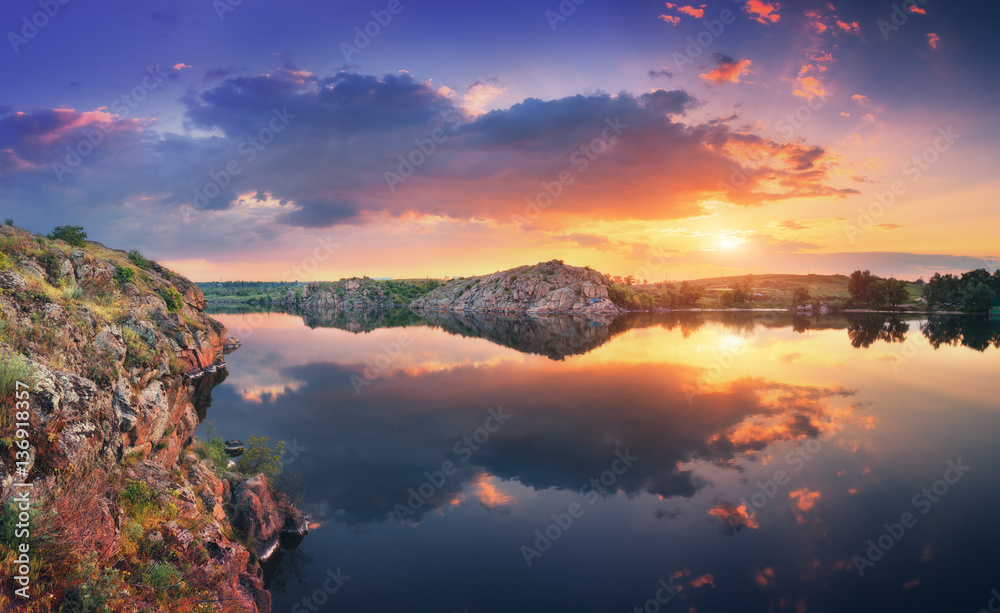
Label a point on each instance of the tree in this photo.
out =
(74, 235)
(895, 292)
(977, 297)
(689, 295)
(629, 279)
(860, 286)
(800, 295)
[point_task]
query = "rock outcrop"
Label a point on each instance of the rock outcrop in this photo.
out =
(120, 360)
(547, 287)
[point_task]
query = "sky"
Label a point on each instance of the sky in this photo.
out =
(308, 140)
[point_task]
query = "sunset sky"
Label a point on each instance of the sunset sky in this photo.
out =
(263, 140)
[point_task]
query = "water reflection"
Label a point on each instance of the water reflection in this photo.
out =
(754, 494)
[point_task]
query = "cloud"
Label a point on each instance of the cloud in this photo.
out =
(888, 226)
(763, 11)
(697, 13)
(860, 99)
(913, 8)
(672, 20)
(727, 69)
(810, 87)
(932, 40)
(852, 27)
(480, 94)
(663, 72)
(326, 162)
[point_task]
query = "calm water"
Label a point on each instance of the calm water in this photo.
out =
(720, 463)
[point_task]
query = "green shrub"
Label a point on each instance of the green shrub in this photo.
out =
(75, 293)
(96, 591)
(213, 447)
(4, 261)
(161, 576)
(139, 499)
(53, 265)
(138, 353)
(138, 259)
(14, 368)
(173, 298)
(8, 222)
(74, 235)
(260, 458)
(124, 274)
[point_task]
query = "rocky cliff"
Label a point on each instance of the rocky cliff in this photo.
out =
(547, 287)
(116, 351)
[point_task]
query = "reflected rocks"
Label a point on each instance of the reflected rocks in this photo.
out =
(360, 320)
(554, 336)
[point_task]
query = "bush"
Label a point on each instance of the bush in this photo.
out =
(173, 298)
(213, 447)
(73, 294)
(138, 259)
(259, 458)
(98, 589)
(14, 368)
(8, 222)
(138, 499)
(74, 235)
(4, 261)
(124, 274)
(161, 576)
(138, 354)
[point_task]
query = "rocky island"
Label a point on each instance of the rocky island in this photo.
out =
(547, 287)
(107, 361)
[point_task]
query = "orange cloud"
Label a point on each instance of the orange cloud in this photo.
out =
(810, 87)
(675, 21)
(849, 27)
(727, 70)
(762, 11)
(917, 10)
(690, 10)
(736, 518)
(804, 498)
(765, 577)
(708, 580)
(860, 99)
(932, 40)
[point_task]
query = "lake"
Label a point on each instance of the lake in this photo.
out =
(655, 462)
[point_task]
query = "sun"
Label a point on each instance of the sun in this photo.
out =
(728, 243)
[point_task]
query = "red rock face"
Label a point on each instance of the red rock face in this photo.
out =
(107, 388)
